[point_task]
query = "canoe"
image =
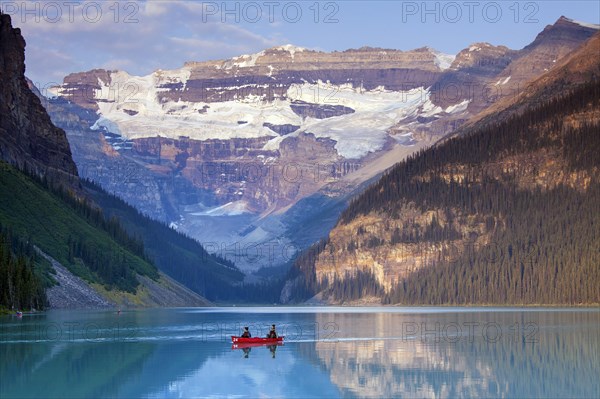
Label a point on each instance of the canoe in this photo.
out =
(256, 340)
(238, 345)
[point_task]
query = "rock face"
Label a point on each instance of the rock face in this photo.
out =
(28, 139)
(270, 73)
(252, 136)
(319, 111)
(485, 74)
(71, 292)
(282, 130)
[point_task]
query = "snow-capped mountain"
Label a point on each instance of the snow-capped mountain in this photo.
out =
(255, 96)
(241, 151)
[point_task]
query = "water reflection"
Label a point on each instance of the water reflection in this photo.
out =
(247, 348)
(273, 349)
(246, 352)
(156, 354)
(504, 354)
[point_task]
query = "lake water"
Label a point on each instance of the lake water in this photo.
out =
(329, 352)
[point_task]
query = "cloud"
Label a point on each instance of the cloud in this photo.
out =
(54, 63)
(138, 37)
(120, 64)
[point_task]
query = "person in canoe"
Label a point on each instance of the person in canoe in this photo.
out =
(246, 333)
(272, 333)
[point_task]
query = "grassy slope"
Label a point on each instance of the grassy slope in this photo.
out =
(31, 211)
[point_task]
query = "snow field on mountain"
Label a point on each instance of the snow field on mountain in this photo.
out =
(139, 113)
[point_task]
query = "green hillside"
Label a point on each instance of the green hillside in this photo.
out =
(71, 231)
(177, 255)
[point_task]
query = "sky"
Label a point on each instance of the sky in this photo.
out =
(66, 36)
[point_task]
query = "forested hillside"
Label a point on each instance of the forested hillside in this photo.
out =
(21, 285)
(507, 213)
(72, 231)
(179, 256)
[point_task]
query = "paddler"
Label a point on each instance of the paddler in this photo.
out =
(246, 333)
(272, 333)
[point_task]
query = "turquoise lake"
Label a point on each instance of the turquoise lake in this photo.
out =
(328, 352)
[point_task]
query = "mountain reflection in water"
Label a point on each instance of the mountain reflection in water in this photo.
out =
(378, 352)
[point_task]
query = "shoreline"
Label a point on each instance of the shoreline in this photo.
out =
(487, 307)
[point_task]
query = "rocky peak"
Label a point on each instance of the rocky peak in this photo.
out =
(81, 87)
(564, 31)
(482, 54)
(551, 45)
(28, 139)
(12, 57)
(91, 77)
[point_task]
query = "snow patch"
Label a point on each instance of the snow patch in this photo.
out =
(365, 130)
(174, 76)
(290, 49)
(429, 108)
(106, 124)
(273, 144)
(180, 118)
(235, 208)
(244, 61)
(443, 61)
(502, 81)
(355, 134)
(460, 107)
(584, 24)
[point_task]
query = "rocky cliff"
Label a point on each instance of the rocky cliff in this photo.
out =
(28, 139)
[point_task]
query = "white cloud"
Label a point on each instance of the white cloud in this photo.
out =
(166, 34)
(120, 64)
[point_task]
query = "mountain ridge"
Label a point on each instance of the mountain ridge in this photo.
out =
(315, 125)
(486, 204)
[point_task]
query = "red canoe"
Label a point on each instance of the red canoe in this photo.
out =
(256, 340)
(255, 345)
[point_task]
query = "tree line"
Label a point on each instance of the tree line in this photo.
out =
(176, 254)
(21, 287)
